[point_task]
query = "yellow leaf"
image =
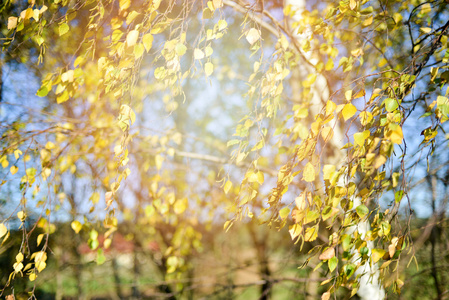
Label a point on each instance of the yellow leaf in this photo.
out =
(198, 53)
(425, 30)
(368, 21)
(330, 107)
(27, 13)
(395, 135)
(3, 230)
(300, 201)
(348, 95)
(356, 53)
(360, 137)
(107, 243)
(17, 153)
(159, 160)
(348, 111)
(208, 51)
(326, 296)
(352, 4)
(329, 65)
(283, 213)
(40, 266)
(101, 63)
(209, 68)
(426, 8)
(376, 254)
(327, 133)
(18, 266)
(379, 161)
(180, 206)
(309, 173)
(12, 22)
(227, 225)
(382, 62)
(76, 226)
(227, 186)
(138, 50)
(147, 41)
(131, 38)
(68, 76)
(39, 238)
(365, 117)
(32, 276)
(260, 177)
(359, 94)
(19, 257)
(46, 172)
(217, 3)
(40, 256)
(327, 171)
(295, 230)
(5, 163)
(124, 4)
(13, 170)
(253, 35)
(108, 198)
(21, 215)
(311, 234)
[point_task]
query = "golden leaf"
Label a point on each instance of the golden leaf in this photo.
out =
(348, 111)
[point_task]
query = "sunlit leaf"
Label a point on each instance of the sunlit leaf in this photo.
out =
(253, 35)
(348, 111)
(131, 38)
(3, 230)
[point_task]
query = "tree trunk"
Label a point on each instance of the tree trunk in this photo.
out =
(264, 268)
(370, 288)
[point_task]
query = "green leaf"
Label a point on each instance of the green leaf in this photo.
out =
(345, 242)
(311, 216)
(360, 137)
(362, 210)
(42, 92)
(63, 28)
(332, 263)
(100, 257)
(349, 270)
(391, 104)
(398, 196)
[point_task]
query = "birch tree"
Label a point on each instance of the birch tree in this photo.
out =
(327, 143)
